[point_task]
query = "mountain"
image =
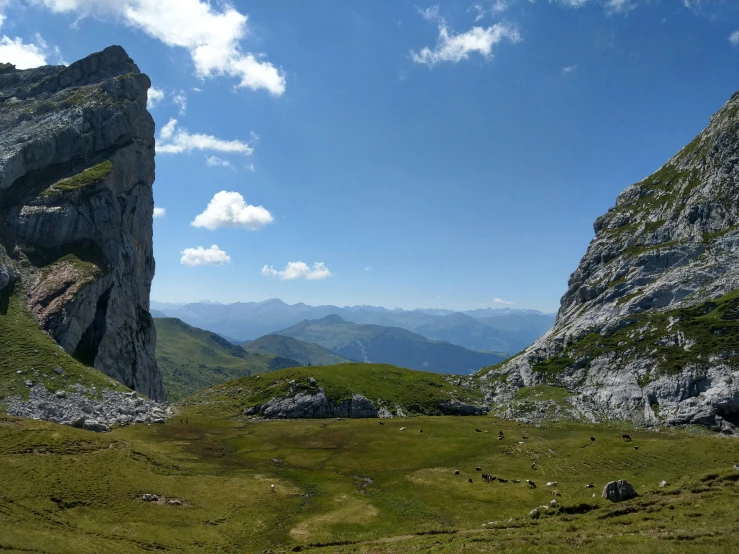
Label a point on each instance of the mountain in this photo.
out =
(648, 329)
(287, 347)
(76, 175)
(192, 359)
(389, 345)
(489, 331)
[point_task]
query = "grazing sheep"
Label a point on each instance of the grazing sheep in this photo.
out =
(524, 438)
(420, 430)
(530, 483)
(501, 480)
(553, 503)
(272, 487)
(456, 472)
(402, 428)
(478, 431)
(516, 481)
(478, 469)
(636, 448)
(626, 438)
(592, 439)
(382, 423)
(533, 466)
(500, 438)
(552, 484)
(469, 480)
(589, 486)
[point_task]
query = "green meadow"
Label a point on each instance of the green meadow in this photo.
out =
(359, 486)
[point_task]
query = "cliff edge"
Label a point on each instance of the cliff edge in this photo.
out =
(648, 329)
(76, 204)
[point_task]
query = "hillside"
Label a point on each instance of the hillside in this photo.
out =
(501, 330)
(287, 347)
(648, 329)
(383, 386)
(390, 345)
(191, 359)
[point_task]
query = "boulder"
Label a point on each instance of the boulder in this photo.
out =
(616, 491)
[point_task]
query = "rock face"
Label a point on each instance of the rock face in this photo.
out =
(87, 411)
(314, 405)
(648, 329)
(616, 491)
(76, 204)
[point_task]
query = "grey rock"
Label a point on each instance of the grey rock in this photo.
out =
(148, 497)
(309, 405)
(669, 243)
(58, 370)
(28, 383)
(62, 121)
(616, 491)
(75, 408)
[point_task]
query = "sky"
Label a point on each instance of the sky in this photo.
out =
(397, 153)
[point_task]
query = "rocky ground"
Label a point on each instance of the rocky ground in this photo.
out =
(93, 410)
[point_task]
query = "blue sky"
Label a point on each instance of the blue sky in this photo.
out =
(408, 154)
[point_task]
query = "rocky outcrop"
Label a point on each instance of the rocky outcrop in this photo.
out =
(648, 329)
(455, 407)
(306, 404)
(616, 491)
(86, 409)
(76, 204)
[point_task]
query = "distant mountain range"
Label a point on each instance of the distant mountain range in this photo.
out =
(390, 345)
(497, 330)
(288, 347)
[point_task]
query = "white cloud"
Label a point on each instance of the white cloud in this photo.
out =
(212, 35)
(484, 9)
(176, 141)
(619, 6)
(298, 270)
(215, 161)
(22, 55)
(204, 256)
(568, 69)
(181, 101)
(159, 212)
(734, 38)
(155, 97)
(368, 268)
(501, 301)
(453, 48)
(229, 209)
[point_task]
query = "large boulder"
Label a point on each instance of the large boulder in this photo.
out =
(616, 491)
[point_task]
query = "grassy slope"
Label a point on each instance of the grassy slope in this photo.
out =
(391, 345)
(414, 391)
(288, 347)
(25, 348)
(191, 359)
(69, 491)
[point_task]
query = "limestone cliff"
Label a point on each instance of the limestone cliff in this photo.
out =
(76, 203)
(648, 329)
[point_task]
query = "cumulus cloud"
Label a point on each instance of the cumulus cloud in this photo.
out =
(619, 6)
(568, 69)
(155, 97)
(490, 7)
(454, 48)
(298, 270)
(181, 101)
(204, 256)
(215, 161)
(173, 140)
(229, 209)
(159, 212)
(22, 55)
(501, 301)
(211, 34)
(734, 38)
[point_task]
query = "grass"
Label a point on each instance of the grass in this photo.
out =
(713, 326)
(25, 348)
(356, 486)
(192, 359)
(415, 391)
(88, 177)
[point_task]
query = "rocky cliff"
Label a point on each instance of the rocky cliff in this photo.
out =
(76, 175)
(648, 329)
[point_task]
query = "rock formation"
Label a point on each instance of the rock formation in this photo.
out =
(648, 329)
(76, 203)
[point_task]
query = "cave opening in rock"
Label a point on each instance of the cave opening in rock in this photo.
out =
(87, 348)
